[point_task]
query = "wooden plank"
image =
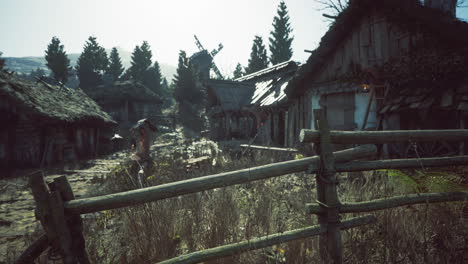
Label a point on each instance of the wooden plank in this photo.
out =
(396, 201)
(40, 192)
(33, 251)
(268, 148)
(401, 164)
(385, 136)
(64, 238)
(74, 222)
(263, 242)
(133, 197)
(327, 194)
(85, 171)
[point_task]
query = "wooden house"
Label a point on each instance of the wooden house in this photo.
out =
(42, 124)
(226, 103)
(268, 101)
(386, 64)
(251, 108)
(127, 102)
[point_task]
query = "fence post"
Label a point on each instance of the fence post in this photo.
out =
(64, 231)
(73, 220)
(330, 244)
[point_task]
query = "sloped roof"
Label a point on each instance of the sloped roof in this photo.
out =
(231, 95)
(123, 90)
(270, 83)
(410, 13)
(270, 92)
(51, 103)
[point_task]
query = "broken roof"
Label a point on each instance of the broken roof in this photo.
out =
(270, 83)
(51, 103)
(409, 13)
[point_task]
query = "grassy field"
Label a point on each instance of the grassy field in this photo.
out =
(149, 233)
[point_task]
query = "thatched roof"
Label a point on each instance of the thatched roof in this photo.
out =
(411, 14)
(230, 95)
(51, 104)
(122, 91)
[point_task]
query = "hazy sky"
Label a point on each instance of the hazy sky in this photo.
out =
(27, 26)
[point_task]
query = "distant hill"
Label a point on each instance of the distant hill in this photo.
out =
(27, 64)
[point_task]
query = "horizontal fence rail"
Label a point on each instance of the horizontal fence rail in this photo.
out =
(263, 242)
(381, 137)
(122, 199)
(254, 147)
(396, 201)
(396, 164)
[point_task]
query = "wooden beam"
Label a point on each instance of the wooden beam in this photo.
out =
(123, 199)
(268, 148)
(396, 201)
(33, 251)
(263, 242)
(396, 164)
(330, 244)
(389, 136)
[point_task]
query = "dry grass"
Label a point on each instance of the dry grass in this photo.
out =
(156, 231)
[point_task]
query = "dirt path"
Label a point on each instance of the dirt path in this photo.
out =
(17, 220)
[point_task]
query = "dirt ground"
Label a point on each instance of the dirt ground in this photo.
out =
(17, 220)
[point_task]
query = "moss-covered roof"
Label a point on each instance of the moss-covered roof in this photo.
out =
(451, 32)
(51, 104)
(121, 91)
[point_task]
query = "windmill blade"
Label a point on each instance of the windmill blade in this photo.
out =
(216, 51)
(199, 45)
(216, 70)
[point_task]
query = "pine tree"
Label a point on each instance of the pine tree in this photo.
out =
(57, 60)
(258, 57)
(189, 94)
(152, 78)
(91, 64)
(2, 61)
(115, 65)
(141, 61)
(238, 72)
(280, 40)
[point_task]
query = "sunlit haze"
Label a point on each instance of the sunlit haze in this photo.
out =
(27, 26)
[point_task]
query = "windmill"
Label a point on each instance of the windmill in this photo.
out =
(211, 54)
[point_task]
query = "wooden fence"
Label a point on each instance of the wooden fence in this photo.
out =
(59, 213)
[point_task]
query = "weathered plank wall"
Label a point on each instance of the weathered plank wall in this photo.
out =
(371, 43)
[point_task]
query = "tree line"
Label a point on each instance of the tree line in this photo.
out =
(95, 67)
(280, 41)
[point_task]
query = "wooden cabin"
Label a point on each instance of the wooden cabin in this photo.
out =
(226, 103)
(268, 101)
(127, 102)
(43, 124)
(251, 108)
(386, 64)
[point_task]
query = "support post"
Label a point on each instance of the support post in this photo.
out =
(74, 222)
(51, 213)
(330, 244)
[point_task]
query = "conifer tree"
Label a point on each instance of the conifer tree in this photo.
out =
(115, 65)
(238, 72)
(141, 61)
(2, 61)
(152, 78)
(57, 60)
(189, 95)
(280, 40)
(91, 64)
(258, 57)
